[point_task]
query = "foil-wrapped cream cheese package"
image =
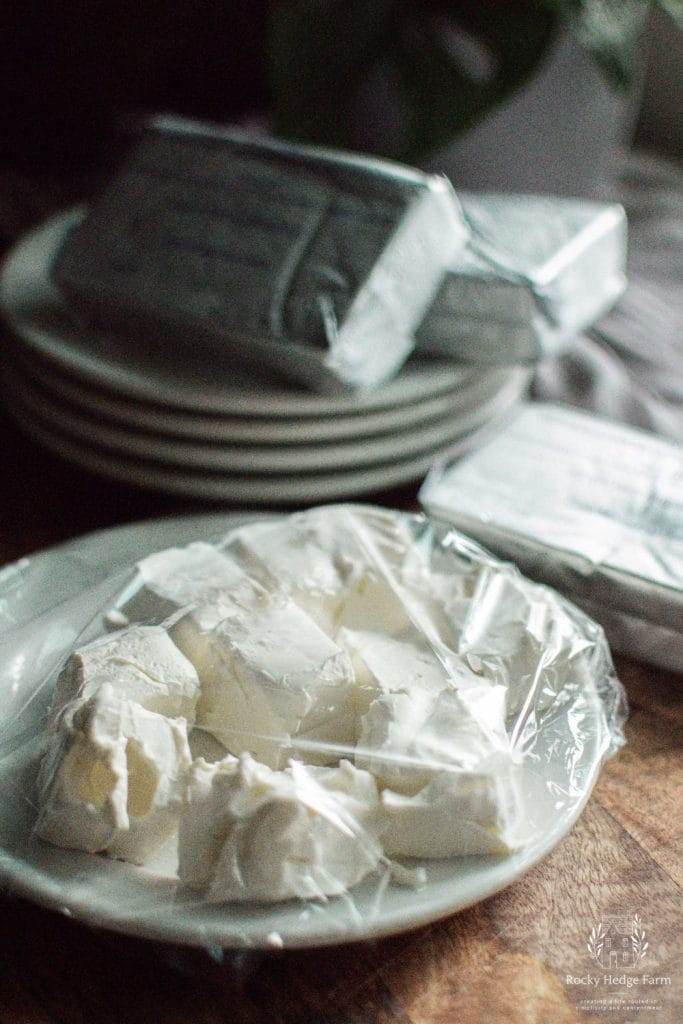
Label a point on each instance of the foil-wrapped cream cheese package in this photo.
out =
(301, 708)
(536, 271)
(309, 263)
(591, 507)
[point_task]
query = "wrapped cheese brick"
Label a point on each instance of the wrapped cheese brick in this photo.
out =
(312, 264)
(591, 507)
(537, 271)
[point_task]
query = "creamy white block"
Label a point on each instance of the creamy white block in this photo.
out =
(141, 664)
(112, 778)
(325, 558)
(178, 578)
(248, 833)
(457, 813)
(406, 738)
(434, 737)
(269, 678)
(520, 636)
(409, 663)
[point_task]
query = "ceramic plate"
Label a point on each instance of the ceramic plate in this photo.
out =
(156, 419)
(234, 489)
(304, 457)
(139, 902)
(159, 372)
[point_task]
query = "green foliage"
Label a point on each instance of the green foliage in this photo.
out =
(608, 29)
(437, 66)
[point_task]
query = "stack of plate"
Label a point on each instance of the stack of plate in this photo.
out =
(143, 413)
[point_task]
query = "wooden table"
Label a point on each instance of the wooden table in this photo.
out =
(510, 959)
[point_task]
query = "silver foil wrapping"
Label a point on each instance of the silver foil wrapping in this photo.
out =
(536, 271)
(315, 265)
(589, 506)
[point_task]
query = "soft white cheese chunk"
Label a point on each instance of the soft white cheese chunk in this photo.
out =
(112, 778)
(316, 556)
(517, 634)
(408, 738)
(178, 578)
(388, 664)
(435, 737)
(250, 833)
(456, 814)
(268, 676)
(141, 663)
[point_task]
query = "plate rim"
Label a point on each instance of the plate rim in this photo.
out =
(349, 454)
(273, 490)
(193, 424)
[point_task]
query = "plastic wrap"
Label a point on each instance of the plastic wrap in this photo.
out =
(536, 271)
(591, 507)
(315, 728)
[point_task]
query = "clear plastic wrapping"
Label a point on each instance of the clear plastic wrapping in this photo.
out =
(314, 728)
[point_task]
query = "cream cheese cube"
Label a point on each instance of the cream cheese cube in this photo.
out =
(406, 739)
(457, 813)
(176, 578)
(112, 779)
(140, 663)
(268, 676)
(518, 635)
(248, 833)
(315, 556)
(408, 663)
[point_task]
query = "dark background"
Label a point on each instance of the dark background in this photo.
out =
(74, 74)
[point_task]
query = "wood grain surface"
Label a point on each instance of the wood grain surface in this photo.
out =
(517, 957)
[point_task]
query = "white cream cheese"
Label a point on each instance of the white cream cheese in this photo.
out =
(458, 813)
(407, 738)
(113, 777)
(434, 736)
(248, 833)
(141, 664)
(329, 636)
(516, 633)
(270, 677)
(319, 557)
(178, 578)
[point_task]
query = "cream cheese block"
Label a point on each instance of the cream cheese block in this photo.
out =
(324, 558)
(458, 813)
(248, 833)
(412, 664)
(270, 676)
(434, 737)
(518, 634)
(178, 578)
(141, 664)
(406, 738)
(112, 778)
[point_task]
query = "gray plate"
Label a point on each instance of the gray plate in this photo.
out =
(216, 428)
(252, 489)
(219, 457)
